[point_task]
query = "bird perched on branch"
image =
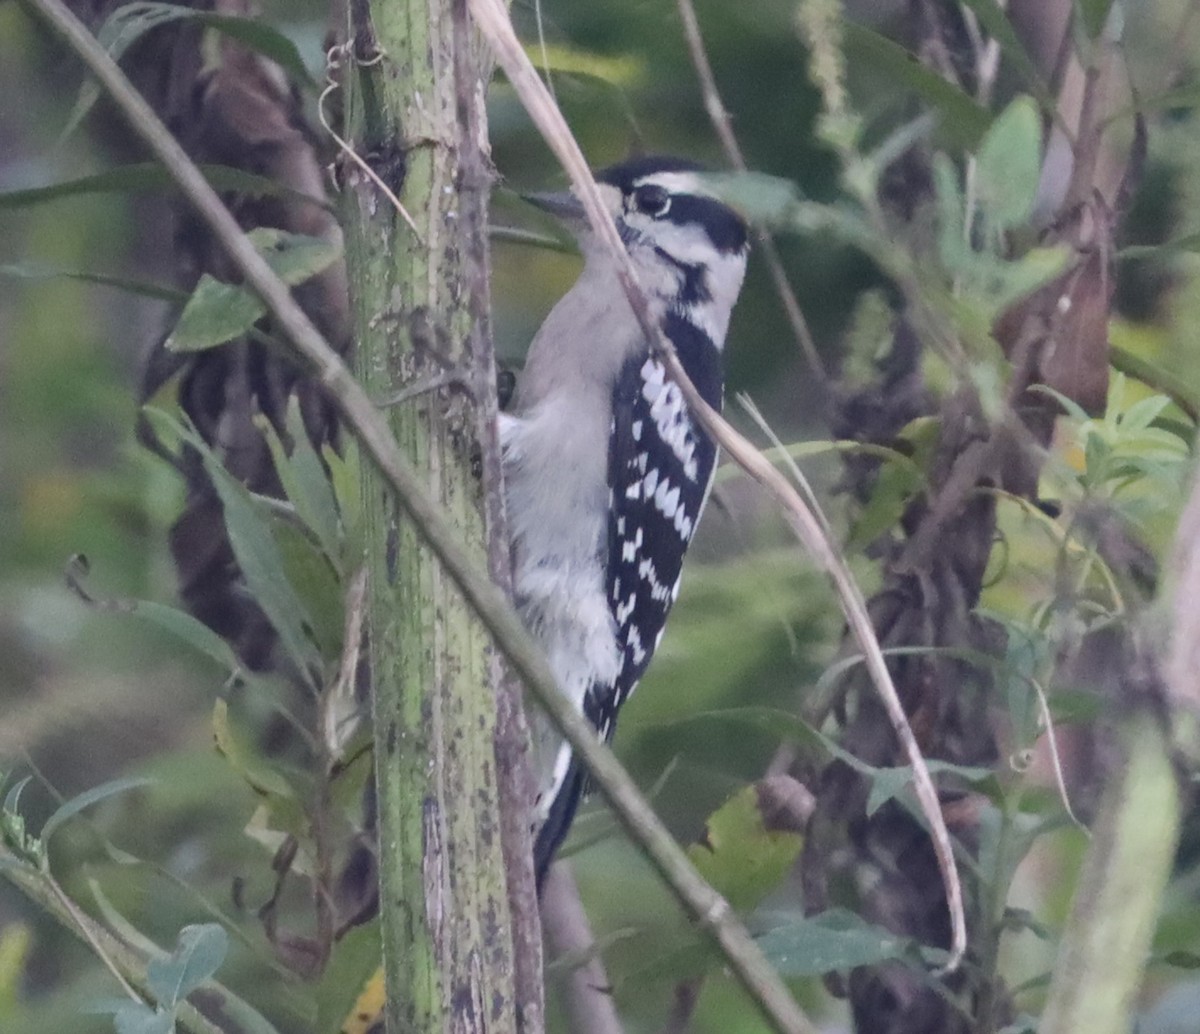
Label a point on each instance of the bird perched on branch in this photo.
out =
(606, 470)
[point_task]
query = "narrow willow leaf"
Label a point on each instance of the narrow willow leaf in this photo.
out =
(761, 198)
(833, 941)
(12, 799)
(264, 779)
(40, 271)
(889, 783)
(960, 117)
(352, 982)
(136, 1018)
(1188, 244)
(344, 477)
(128, 23)
(627, 70)
(75, 805)
(218, 312)
(994, 20)
(739, 856)
(141, 177)
(198, 955)
(257, 554)
(306, 482)
(179, 623)
(189, 629)
(316, 585)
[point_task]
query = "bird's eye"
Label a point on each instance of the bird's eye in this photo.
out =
(652, 200)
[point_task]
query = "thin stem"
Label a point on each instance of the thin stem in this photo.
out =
(128, 965)
(718, 114)
(587, 993)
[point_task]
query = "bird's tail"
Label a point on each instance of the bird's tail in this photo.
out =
(558, 822)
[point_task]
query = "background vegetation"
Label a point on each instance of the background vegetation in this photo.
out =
(91, 693)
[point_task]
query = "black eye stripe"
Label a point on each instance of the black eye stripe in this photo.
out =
(723, 226)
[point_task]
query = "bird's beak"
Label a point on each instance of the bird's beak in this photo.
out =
(563, 205)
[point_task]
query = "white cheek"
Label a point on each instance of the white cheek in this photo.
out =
(726, 273)
(687, 244)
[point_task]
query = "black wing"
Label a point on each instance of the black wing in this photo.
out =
(660, 469)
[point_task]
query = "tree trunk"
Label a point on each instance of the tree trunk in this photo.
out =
(414, 83)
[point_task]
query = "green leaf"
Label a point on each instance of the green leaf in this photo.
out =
(785, 725)
(198, 955)
(760, 198)
(1188, 244)
(344, 476)
(739, 856)
(349, 975)
(316, 584)
(128, 23)
(1181, 959)
(179, 623)
(75, 805)
(257, 554)
(627, 70)
(1009, 165)
(41, 271)
(1142, 414)
(1094, 15)
(218, 312)
(961, 118)
(243, 758)
(305, 480)
(836, 940)
(137, 1018)
(189, 629)
(952, 246)
(1003, 283)
(12, 799)
(995, 23)
(890, 782)
(141, 177)
(894, 489)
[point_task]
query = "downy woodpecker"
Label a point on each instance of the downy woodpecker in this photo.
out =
(606, 471)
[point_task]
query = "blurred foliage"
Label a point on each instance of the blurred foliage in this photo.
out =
(88, 693)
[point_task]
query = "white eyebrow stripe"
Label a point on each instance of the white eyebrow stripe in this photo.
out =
(675, 182)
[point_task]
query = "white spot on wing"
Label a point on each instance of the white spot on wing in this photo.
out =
(635, 646)
(625, 610)
(667, 499)
(669, 412)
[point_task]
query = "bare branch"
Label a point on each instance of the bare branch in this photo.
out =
(723, 126)
(588, 998)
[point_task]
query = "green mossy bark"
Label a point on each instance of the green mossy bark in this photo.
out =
(420, 306)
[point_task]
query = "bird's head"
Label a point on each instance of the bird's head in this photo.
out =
(689, 248)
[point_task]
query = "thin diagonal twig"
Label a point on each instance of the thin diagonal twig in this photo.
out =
(718, 114)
